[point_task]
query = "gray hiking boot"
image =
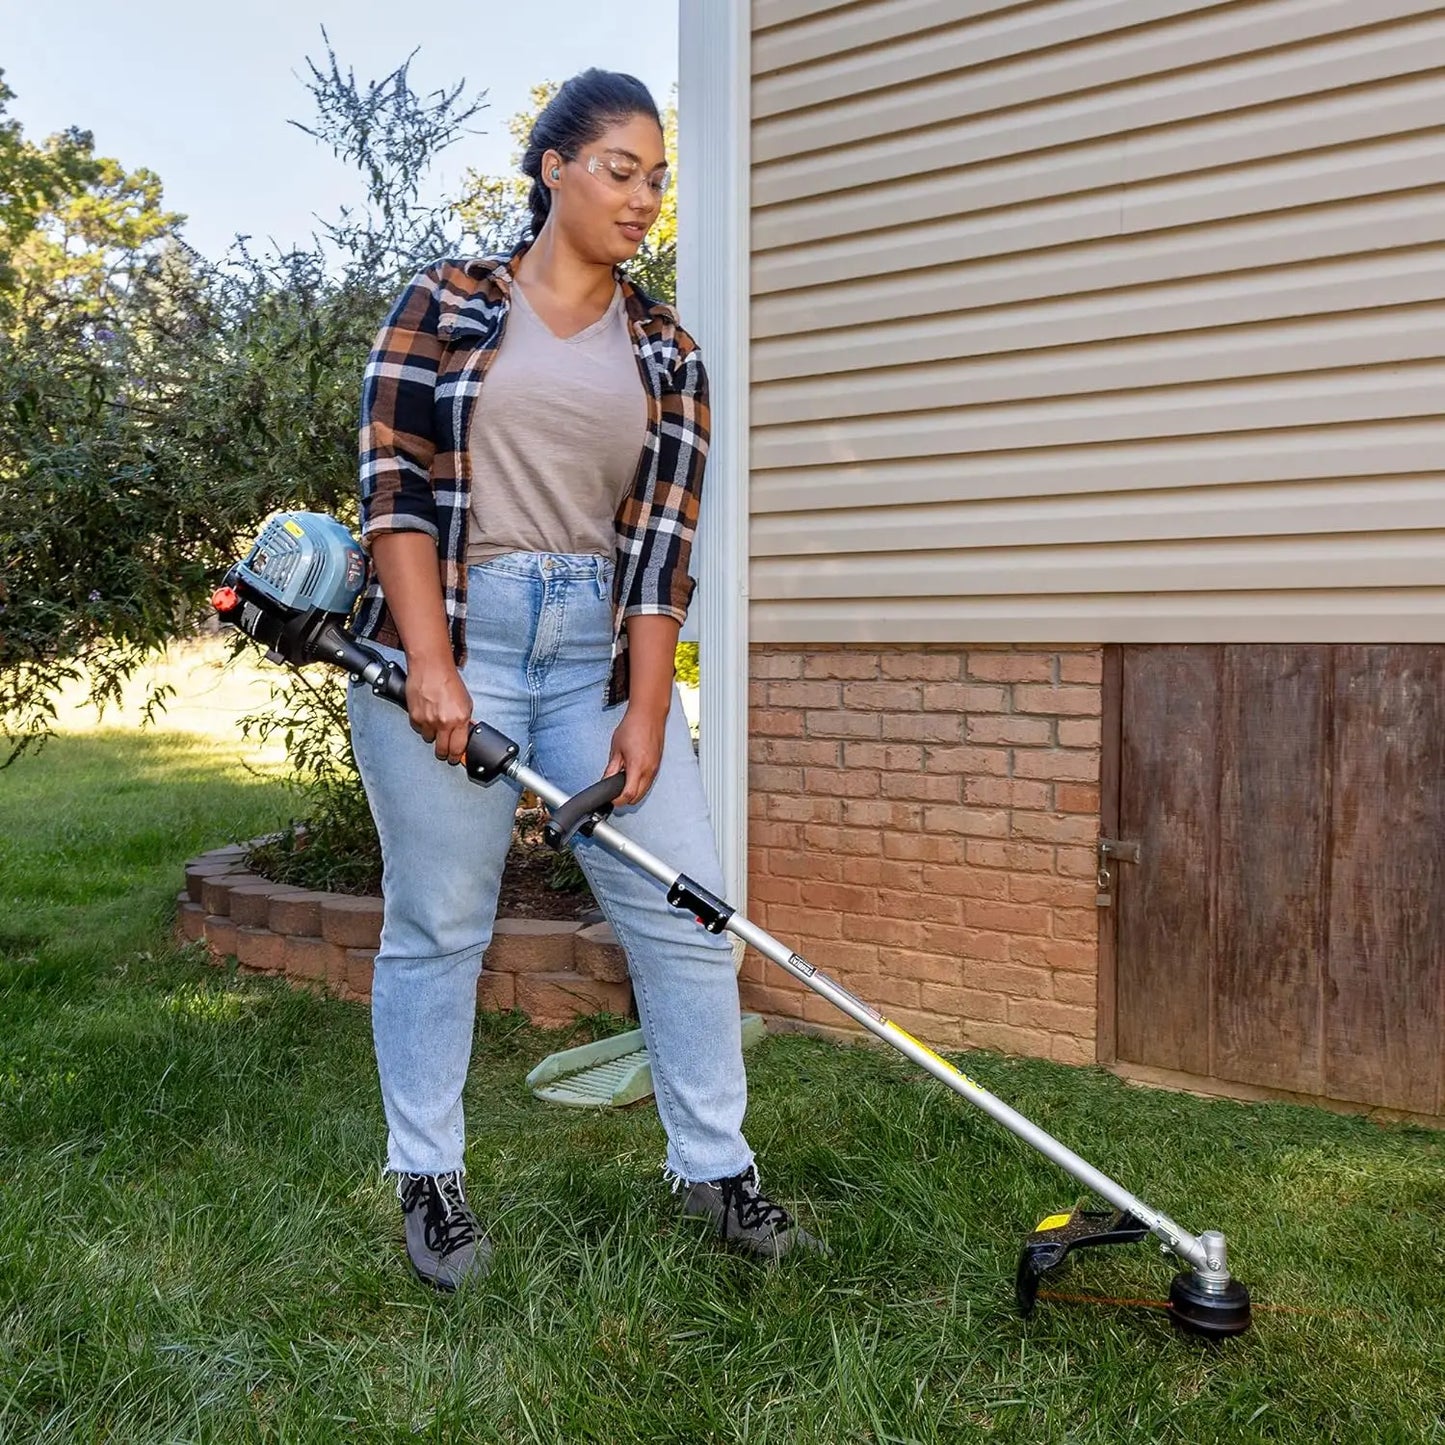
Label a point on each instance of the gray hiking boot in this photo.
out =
(443, 1237)
(747, 1220)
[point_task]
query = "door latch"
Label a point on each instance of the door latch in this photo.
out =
(1108, 850)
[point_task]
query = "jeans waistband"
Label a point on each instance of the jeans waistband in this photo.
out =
(550, 565)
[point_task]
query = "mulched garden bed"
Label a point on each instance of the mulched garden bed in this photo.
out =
(536, 882)
(527, 890)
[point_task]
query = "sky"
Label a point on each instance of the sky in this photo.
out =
(201, 91)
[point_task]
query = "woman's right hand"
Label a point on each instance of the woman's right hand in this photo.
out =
(439, 705)
(436, 697)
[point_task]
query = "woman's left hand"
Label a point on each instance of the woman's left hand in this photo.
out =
(637, 750)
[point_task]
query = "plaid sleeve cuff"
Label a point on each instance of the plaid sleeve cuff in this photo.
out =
(397, 522)
(674, 605)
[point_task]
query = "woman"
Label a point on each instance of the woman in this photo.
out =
(532, 446)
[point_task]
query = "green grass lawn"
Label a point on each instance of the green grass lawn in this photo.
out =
(196, 1243)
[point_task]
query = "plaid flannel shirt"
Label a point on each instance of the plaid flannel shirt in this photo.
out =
(423, 379)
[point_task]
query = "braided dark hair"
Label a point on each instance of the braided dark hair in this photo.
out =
(582, 109)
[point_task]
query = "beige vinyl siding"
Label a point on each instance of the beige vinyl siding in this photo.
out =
(1098, 320)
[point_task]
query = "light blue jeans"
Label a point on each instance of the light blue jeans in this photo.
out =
(539, 641)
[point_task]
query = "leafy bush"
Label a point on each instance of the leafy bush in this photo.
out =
(156, 406)
(335, 849)
(685, 664)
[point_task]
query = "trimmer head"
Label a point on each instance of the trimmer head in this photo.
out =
(1203, 1302)
(1203, 1307)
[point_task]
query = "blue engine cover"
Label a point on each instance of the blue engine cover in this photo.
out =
(306, 559)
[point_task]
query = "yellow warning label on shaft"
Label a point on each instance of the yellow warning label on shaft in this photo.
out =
(918, 1044)
(1054, 1221)
(294, 528)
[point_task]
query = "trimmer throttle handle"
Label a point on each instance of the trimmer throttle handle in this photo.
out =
(488, 751)
(583, 811)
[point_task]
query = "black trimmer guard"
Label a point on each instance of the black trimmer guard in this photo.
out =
(1058, 1235)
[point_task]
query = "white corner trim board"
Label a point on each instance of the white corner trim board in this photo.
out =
(712, 267)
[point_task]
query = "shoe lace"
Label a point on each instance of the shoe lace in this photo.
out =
(448, 1221)
(754, 1210)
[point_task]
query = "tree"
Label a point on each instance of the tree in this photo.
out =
(78, 237)
(32, 179)
(155, 406)
(76, 229)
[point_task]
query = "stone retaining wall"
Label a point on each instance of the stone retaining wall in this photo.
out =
(550, 971)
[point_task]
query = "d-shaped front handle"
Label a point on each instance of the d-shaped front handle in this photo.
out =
(582, 812)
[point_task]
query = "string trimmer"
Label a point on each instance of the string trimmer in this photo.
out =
(294, 592)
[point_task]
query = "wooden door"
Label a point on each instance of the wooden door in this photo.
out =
(1286, 923)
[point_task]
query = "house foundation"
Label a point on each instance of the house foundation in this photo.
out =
(922, 826)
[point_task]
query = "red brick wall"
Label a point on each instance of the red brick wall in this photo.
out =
(922, 827)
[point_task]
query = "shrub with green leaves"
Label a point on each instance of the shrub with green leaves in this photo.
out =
(156, 406)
